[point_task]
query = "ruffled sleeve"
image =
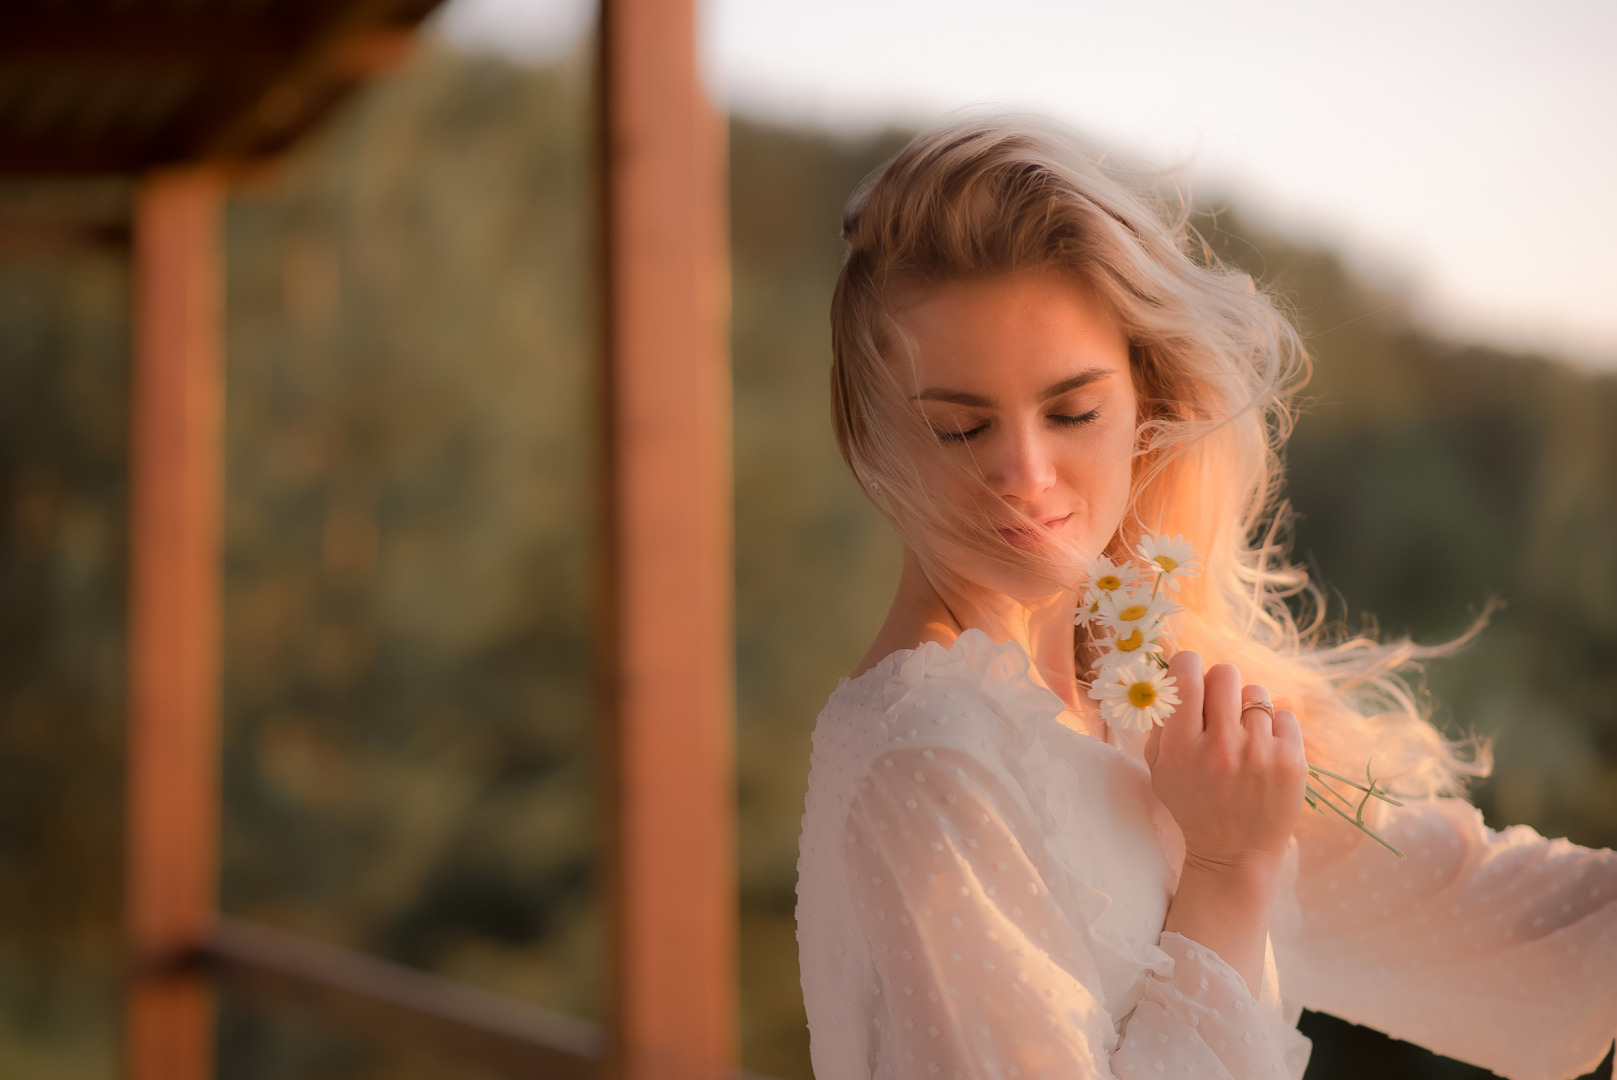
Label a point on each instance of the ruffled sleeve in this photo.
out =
(979, 970)
(1494, 948)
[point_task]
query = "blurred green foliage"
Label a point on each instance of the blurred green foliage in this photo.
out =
(408, 758)
(63, 512)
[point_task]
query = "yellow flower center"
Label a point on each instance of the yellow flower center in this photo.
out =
(1108, 582)
(1166, 563)
(1132, 612)
(1143, 695)
(1130, 643)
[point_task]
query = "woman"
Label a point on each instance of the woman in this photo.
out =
(1030, 371)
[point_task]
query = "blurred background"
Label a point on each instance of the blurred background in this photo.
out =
(408, 762)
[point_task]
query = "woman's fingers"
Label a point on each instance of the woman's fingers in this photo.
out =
(1286, 727)
(1256, 721)
(1184, 724)
(1289, 734)
(1222, 707)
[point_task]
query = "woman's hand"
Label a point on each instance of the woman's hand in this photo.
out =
(1233, 779)
(1231, 776)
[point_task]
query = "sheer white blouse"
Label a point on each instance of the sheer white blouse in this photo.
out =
(981, 894)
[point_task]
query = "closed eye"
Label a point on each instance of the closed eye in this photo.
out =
(1077, 421)
(961, 435)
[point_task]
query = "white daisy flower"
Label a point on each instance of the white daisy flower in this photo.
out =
(1112, 662)
(1130, 615)
(1105, 576)
(1174, 557)
(1133, 646)
(1084, 614)
(1135, 696)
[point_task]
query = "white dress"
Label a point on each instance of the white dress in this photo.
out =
(981, 894)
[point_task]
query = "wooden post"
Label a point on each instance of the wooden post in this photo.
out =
(666, 650)
(173, 816)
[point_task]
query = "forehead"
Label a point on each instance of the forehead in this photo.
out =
(1012, 333)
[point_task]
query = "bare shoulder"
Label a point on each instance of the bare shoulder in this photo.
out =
(899, 634)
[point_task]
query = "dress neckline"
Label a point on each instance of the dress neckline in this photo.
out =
(965, 645)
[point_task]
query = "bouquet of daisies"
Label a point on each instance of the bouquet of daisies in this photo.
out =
(1127, 608)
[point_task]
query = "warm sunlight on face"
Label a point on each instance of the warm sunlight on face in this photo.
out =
(1027, 376)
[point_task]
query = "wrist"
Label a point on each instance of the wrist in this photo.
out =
(1238, 899)
(1225, 907)
(1242, 877)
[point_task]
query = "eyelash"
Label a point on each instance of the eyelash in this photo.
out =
(972, 433)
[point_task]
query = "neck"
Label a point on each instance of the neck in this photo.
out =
(1042, 626)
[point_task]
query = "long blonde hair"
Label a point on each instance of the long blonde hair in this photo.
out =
(1216, 365)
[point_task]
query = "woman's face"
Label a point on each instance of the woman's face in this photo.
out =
(1026, 377)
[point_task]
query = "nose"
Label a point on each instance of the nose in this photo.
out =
(1021, 466)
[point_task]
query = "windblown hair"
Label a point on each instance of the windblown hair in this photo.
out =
(1215, 365)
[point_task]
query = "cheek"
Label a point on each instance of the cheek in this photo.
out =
(941, 476)
(1120, 450)
(1104, 468)
(1121, 437)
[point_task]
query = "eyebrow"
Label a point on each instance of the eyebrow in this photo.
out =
(978, 401)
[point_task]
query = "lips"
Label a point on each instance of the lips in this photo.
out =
(1030, 536)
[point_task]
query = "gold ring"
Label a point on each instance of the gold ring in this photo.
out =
(1259, 704)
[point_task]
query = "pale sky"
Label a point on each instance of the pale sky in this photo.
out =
(1466, 151)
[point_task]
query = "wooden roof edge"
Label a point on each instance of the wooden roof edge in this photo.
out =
(43, 37)
(281, 82)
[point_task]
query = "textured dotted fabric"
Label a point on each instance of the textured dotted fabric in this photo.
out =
(982, 890)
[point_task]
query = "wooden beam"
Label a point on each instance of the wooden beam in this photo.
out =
(55, 157)
(666, 645)
(396, 1005)
(47, 236)
(173, 797)
(149, 37)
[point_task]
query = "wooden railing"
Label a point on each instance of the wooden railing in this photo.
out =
(395, 1005)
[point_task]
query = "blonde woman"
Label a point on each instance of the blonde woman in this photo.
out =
(1030, 370)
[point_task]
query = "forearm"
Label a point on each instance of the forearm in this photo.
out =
(1228, 912)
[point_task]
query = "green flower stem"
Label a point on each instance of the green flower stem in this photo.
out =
(1317, 798)
(1374, 788)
